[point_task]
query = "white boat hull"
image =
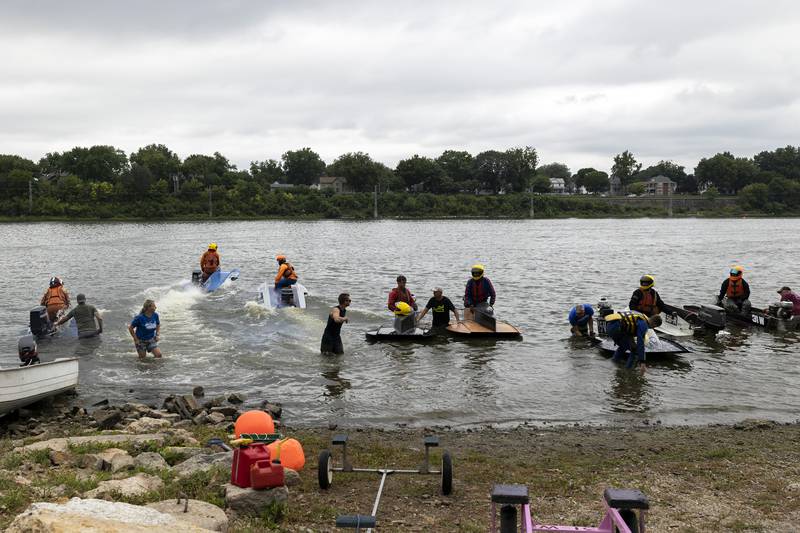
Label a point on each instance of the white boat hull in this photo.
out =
(24, 385)
(269, 296)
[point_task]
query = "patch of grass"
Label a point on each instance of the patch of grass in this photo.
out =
(172, 457)
(719, 453)
(269, 519)
(133, 448)
(12, 461)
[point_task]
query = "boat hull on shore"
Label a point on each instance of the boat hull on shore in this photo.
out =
(24, 385)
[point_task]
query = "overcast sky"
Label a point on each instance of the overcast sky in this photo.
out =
(580, 82)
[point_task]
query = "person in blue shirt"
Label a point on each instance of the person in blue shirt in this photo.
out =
(145, 330)
(628, 330)
(580, 318)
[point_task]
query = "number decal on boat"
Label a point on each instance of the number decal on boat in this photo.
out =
(758, 320)
(672, 319)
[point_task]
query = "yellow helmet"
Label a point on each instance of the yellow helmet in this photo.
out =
(646, 282)
(736, 271)
(212, 246)
(477, 271)
(402, 309)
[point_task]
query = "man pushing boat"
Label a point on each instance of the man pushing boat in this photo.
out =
(628, 330)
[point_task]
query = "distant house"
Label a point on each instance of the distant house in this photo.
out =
(337, 183)
(660, 186)
(614, 186)
(275, 186)
(558, 186)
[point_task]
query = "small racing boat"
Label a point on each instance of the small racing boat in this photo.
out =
(480, 323)
(654, 346)
(272, 298)
(404, 329)
(215, 280)
(777, 317)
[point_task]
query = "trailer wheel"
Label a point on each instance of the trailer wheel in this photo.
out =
(447, 474)
(325, 469)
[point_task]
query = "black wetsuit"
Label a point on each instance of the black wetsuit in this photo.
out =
(332, 336)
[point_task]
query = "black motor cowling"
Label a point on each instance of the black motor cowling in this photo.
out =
(40, 321)
(28, 350)
(197, 276)
(287, 295)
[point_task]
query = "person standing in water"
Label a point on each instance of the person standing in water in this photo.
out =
(145, 330)
(88, 320)
(332, 336)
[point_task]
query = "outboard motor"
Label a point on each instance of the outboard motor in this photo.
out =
(404, 324)
(287, 296)
(28, 350)
(712, 316)
(197, 276)
(781, 310)
(40, 322)
(603, 310)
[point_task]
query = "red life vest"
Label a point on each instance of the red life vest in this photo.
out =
(210, 261)
(647, 304)
(55, 297)
(735, 288)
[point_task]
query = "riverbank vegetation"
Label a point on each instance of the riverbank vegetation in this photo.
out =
(102, 182)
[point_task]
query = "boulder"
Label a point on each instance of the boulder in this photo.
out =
(121, 462)
(107, 418)
(90, 460)
(201, 418)
(214, 402)
(203, 463)
(244, 502)
(227, 410)
(199, 513)
(198, 392)
(290, 477)
(98, 516)
(132, 486)
(147, 424)
(186, 451)
(274, 409)
(216, 418)
(185, 438)
(151, 460)
(62, 444)
(236, 398)
(58, 458)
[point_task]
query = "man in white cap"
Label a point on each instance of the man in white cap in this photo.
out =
(88, 320)
(441, 307)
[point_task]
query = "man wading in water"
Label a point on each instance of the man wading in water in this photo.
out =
(332, 336)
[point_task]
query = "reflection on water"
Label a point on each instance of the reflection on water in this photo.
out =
(227, 343)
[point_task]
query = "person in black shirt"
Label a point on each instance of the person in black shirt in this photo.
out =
(441, 306)
(332, 336)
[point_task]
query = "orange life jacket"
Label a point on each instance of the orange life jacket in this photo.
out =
(735, 288)
(286, 271)
(647, 304)
(210, 261)
(55, 296)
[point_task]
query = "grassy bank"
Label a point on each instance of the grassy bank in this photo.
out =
(717, 478)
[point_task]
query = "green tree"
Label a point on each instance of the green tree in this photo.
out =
(784, 191)
(137, 180)
(423, 171)
(541, 183)
(520, 167)
(489, 170)
(162, 162)
(784, 161)
(726, 172)
(580, 176)
(625, 167)
(456, 164)
(208, 169)
(302, 167)
(358, 168)
(267, 172)
(754, 196)
(97, 163)
(595, 181)
(636, 188)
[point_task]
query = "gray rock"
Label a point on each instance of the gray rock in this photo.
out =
(290, 477)
(274, 409)
(198, 392)
(202, 463)
(201, 418)
(107, 418)
(198, 513)
(62, 444)
(227, 410)
(216, 418)
(148, 425)
(214, 402)
(236, 398)
(58, 458)
(182, 424)
(151, 460)
(186, 451)
(133, 486)
(244, 502)
(90, 460)
(121, 462)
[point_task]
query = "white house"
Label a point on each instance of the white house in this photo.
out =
(557, 185)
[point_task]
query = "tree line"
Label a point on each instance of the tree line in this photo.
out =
(107, 182)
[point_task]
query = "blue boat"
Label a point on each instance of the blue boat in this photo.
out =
(215, 280)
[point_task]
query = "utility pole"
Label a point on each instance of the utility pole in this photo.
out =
(210, 205)
(530, 195)
(30, 196)
(669, 194)
(375, 203)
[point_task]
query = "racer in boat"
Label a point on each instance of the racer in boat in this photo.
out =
(332, 336)
(440, 307)
(145, 330)
(401, 294)
(209, 261)
(646, 299)
(287, 275)
(580, 318)
(88, 320)
(479, 291)
(55, 298)
(734, 293)
(787, 295)
(628, 329)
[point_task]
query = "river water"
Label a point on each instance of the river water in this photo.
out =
(227, 343)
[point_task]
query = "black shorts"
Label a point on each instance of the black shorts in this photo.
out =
(331, 345)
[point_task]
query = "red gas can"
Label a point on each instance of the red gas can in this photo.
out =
(265, 474)
(243, 458)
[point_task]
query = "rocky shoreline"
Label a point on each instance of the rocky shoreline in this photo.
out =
(111, 466)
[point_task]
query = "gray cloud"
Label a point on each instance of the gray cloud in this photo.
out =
(580, 82)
